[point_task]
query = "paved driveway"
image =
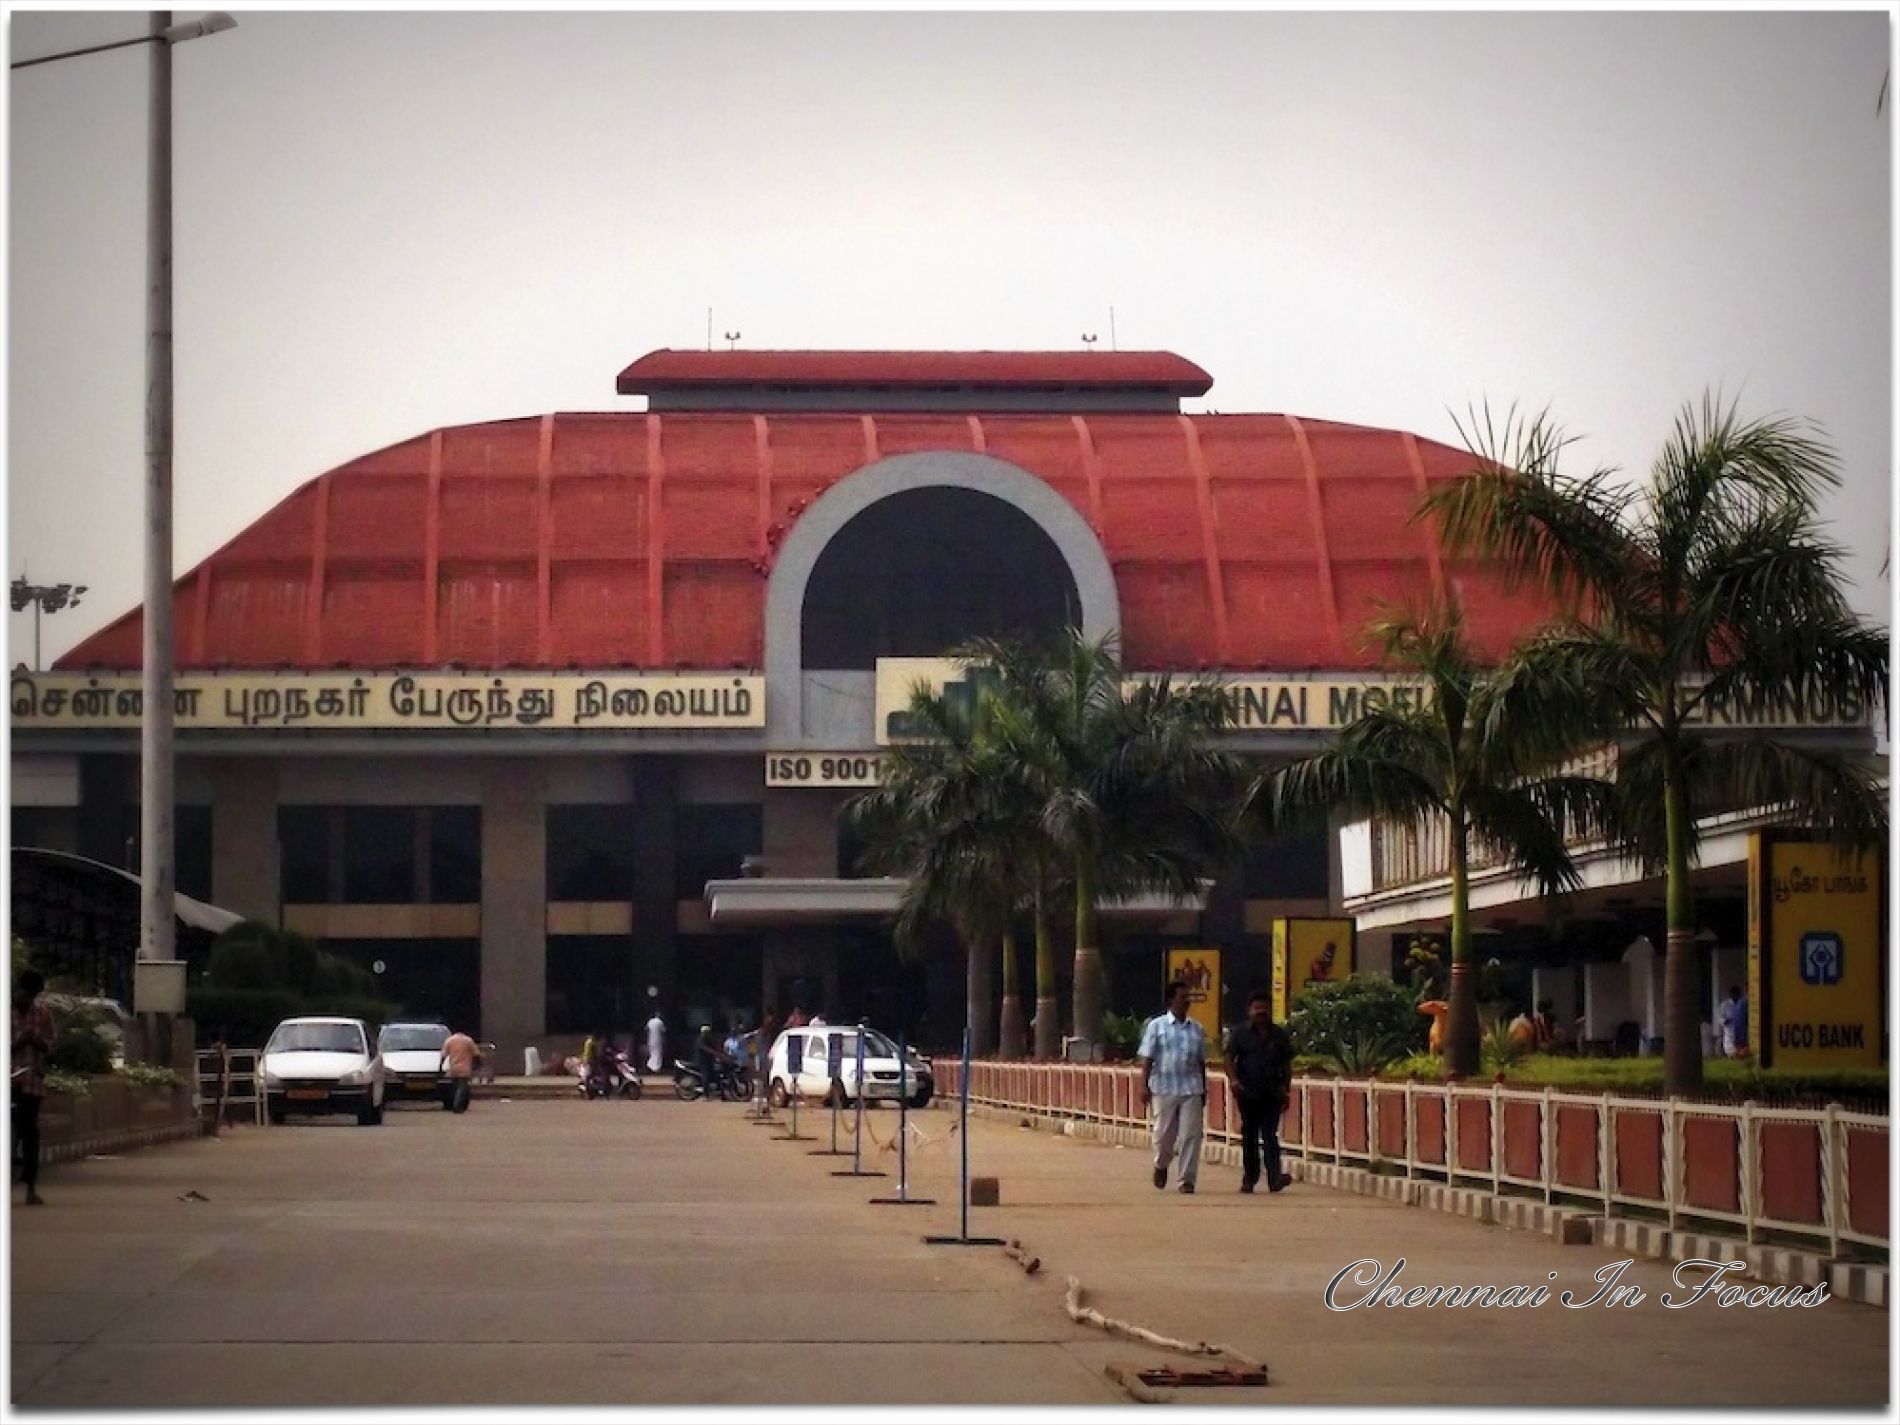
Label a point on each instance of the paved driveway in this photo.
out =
(568, 1253)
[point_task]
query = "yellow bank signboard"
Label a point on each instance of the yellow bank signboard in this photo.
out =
(1199, 967)
(1308, 953)
(1816, 954)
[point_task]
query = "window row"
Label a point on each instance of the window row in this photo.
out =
(380, 855)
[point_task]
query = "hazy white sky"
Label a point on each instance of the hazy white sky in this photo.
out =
(387, 223)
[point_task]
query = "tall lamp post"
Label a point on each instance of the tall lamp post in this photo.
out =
(158, 922)
(44, 598)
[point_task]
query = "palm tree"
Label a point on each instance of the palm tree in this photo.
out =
(1135, 794)
(950, 817)
(1484, 752)
(1707, 589)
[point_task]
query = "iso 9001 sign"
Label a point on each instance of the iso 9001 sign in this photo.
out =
(823, 769)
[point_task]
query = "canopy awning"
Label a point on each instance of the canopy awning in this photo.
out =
(759, 900)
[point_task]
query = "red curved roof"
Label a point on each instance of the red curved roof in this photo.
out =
(668, 370)
(1246, 542)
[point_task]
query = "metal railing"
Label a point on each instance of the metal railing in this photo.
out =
(230, 1078)
(1809, 1173)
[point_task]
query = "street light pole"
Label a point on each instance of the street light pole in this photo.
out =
(44, 598)
(158, 916)
(158, 897)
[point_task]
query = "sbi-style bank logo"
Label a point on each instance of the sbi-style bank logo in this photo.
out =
(1821, 955)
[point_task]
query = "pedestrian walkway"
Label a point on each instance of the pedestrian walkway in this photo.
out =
(559, 1252)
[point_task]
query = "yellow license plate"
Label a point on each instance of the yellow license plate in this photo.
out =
(421, 1083)
(308, 1093)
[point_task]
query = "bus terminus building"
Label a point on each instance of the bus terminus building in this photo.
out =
(542, 716)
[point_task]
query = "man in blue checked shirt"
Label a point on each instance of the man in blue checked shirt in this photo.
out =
(1173, 1059)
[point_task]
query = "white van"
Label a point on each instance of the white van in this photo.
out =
(884, 1078)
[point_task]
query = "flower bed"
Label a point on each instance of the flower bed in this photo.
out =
(114, 1113)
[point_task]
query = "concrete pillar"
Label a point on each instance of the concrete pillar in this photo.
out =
(1646, 987)
(1558, 984)
(652, 782)
(246, 871)
(1606, 999)
(514, 909)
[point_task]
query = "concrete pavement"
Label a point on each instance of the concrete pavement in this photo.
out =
(551, 1252)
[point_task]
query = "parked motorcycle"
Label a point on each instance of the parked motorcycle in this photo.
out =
(731, 1083)
(621, 1079)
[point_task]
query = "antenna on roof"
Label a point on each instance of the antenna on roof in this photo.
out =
(709, 328)
(1088, 340)
(732, 339)
(1111, 330)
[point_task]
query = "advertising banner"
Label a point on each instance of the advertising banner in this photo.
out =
(1308, 953)
(1200, 967)
(1817, 955)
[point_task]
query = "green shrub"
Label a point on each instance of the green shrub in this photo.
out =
(66, 1082)
(1123, 1030)
(150, 1075)
(248, 956)
(242, 1018)
(81, 1044)
(1498, 1051)
(1363, 1055)
(1364, 1010)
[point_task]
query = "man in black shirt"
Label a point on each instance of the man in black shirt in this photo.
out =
(1260, 1068)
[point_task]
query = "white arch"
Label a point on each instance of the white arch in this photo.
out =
(798, 556)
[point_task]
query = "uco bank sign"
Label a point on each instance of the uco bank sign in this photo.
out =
(1817, 954)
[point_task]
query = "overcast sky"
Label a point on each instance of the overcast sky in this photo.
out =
(390, 223)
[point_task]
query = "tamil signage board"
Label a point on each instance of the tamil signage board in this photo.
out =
(1817, 954)
(1309, 952)
(396, 702)
(823, 769)
(1199, 968)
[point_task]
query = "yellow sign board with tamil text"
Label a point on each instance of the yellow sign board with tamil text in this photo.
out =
(1817, 955)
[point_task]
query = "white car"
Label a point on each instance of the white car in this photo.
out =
(884, 1077)
(318, 1065)
(411, 1051)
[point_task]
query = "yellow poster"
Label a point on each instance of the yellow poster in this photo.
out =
(1201, 969)
(1816, 955)
(1308, 953)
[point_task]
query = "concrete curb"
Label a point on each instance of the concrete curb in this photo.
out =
(1865, 1282)
(116, 1139)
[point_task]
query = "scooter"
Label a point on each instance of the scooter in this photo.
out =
(621, 1079)
(733, 1083)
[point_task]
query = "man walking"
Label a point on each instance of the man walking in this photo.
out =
(459, 1058)
(1260, 1071)
(1173, 1059)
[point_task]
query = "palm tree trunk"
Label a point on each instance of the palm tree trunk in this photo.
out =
(1048, 1022)
(979, 1004)
(1010, 1045)
(1461, 1011)
(1091, 988)
(1682, 1037)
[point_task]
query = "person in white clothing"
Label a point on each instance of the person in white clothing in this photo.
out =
(656, 1042)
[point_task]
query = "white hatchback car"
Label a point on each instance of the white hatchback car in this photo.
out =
(318, 1064)
(811, 1045)
(411, 1051)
